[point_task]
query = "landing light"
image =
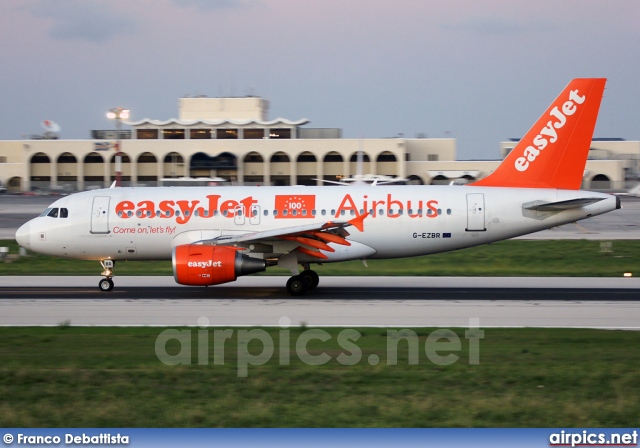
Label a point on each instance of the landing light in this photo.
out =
(628, 274)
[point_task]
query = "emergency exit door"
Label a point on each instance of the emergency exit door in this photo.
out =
(475, 212)
(100, 214)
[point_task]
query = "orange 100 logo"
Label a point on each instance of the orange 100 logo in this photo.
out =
(295, 206)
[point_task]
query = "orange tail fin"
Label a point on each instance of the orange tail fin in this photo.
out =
(554, 152)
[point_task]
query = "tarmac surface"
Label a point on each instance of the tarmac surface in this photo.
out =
(338, 301)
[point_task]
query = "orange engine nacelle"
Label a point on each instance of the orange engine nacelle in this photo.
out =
(200, 265)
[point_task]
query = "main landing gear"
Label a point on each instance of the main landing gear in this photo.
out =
(298, 285)
(106, 284)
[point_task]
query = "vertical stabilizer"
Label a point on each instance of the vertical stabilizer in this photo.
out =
(554, 152)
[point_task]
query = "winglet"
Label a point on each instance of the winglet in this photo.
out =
(358, 222)
(554, 152)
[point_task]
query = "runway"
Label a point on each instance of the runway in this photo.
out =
(340, 301)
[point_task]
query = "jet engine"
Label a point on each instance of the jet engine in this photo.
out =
(202, 265)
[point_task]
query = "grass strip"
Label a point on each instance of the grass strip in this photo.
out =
(111, 377)
(588, 258)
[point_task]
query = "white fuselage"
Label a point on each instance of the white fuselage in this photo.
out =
(403, 221)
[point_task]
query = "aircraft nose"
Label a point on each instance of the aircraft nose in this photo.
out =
(23, 236)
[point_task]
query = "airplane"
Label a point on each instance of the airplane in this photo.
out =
(213, 235)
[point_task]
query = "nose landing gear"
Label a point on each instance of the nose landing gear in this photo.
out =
(106, 284)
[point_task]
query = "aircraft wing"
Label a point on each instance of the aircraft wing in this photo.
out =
(308, 239)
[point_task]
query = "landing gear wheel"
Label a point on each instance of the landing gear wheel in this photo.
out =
(311, 278)
(296, 285)
(106, 284)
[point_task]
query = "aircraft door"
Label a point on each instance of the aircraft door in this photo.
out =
(475, 212)
(100, 215)
(254, 218)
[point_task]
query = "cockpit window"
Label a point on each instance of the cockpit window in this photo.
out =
(56, 212)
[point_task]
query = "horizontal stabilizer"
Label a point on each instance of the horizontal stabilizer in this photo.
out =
(544, 206)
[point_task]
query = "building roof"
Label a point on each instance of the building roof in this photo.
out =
(174, 121)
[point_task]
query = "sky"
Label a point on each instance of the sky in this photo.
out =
(478, 71)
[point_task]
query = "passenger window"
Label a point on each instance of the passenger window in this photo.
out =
(53, 213)
(64, 213)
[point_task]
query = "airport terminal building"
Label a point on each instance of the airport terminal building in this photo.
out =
(233, 139)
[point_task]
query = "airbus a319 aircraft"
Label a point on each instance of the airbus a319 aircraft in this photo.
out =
(215, 234)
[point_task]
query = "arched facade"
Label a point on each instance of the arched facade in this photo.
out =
(125, 169)
(440, 180)
(224, 165)
(280, 168)
(366, 164)
(332, 166)
(173, 165)
(147, 167)
(94, 171)
(253, 168)
(600, 182)
(14, 185)
(386, 164)
(306, 169)
(39, 171)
